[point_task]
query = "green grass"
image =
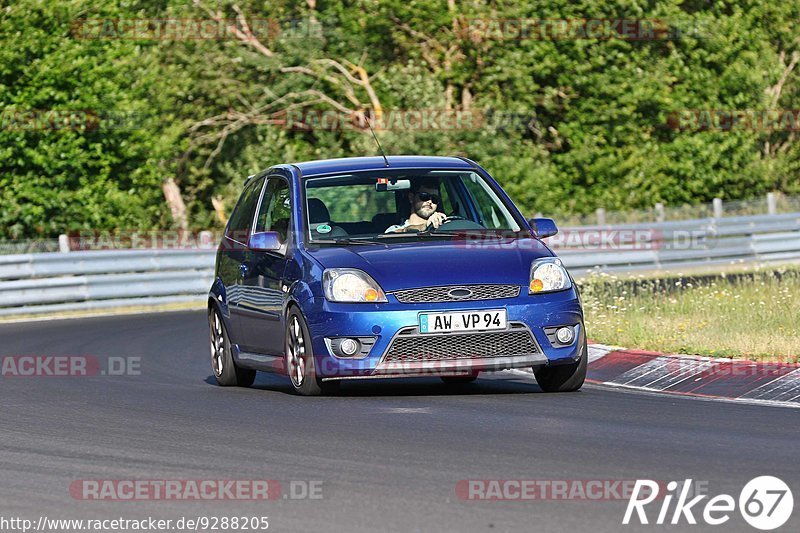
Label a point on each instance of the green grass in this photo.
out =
(751, 314)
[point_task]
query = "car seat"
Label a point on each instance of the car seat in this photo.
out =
(318, 215)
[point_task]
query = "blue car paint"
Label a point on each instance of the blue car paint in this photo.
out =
(434, 264)
(358, 320)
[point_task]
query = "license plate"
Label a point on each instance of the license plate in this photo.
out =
(462, 321)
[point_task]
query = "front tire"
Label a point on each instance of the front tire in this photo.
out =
(564, 378)
(300, 359)
(225, 370)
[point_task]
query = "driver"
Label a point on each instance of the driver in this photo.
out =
(424, 199)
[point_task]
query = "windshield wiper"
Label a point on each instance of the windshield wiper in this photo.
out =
(377, 239)
(502, 234)
(411, 234)
(347, 240)
(431, 233)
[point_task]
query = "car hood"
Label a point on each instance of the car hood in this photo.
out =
(436, 263)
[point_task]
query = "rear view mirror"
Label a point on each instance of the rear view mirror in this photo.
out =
(543, 227)
(264, 241)
(386, 184)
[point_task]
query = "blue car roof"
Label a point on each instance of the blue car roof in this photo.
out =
(352, 164)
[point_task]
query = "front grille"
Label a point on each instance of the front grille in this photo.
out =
(440, 294)
(410, 346)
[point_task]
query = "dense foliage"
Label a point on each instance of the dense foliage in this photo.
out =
(571, 123)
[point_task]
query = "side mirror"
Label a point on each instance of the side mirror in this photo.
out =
(543, 227)
(264, 241)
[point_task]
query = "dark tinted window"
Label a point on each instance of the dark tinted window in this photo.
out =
(276, 208)
(242, 216)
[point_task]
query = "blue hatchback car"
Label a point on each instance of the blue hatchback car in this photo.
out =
(368, 267)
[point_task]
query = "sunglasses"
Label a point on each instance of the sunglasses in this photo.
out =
(425, 196)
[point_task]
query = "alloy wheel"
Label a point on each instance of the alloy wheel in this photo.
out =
(297, 353)
(217, 346)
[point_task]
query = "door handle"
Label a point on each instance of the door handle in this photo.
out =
(243, 269)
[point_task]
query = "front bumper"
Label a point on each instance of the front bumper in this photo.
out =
(392, 322)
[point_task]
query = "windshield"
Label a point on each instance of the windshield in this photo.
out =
(397, 203)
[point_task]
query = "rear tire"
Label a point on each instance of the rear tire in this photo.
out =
(300, 359)
(564, 378)
(225, 370)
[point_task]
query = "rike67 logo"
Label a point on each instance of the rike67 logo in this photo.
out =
(765, 503)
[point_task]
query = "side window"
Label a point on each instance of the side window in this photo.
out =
(485, 203)
(276, 209)
(242, 216)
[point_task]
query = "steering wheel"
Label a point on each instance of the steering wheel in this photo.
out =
(447, 220)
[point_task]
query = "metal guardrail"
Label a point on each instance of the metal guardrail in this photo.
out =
(42, 283)
(683, 244)
(75, 281)
(772, 203)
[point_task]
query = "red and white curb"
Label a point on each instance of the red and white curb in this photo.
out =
(736, 380)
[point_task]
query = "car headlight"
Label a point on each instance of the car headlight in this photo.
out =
(547, 275)
(350, 285)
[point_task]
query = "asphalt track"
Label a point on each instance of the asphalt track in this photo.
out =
(389, 453)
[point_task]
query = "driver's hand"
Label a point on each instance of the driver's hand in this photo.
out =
(436, 219)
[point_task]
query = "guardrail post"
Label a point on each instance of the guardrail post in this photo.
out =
(660, 215)
(206, 240)
(63, 243)
(772, 203)
(717, 203)
(601, 216)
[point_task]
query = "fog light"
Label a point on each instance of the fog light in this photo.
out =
(348, 347)
(565, 335)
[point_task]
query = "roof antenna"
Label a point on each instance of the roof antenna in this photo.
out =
(376, 139)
